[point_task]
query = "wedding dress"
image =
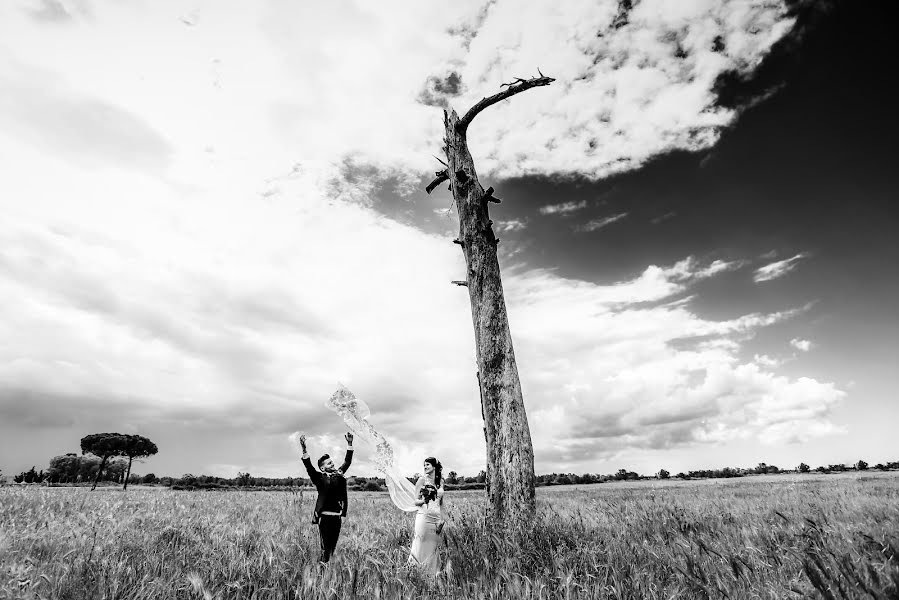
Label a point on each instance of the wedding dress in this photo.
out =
(425, 540)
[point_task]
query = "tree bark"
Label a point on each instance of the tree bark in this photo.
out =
(510, 454)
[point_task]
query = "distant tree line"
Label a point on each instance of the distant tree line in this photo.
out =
(190, 481)
(454, 481)
(72, 468)
(762, 469)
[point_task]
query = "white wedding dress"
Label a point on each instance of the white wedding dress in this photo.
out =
(425, 540)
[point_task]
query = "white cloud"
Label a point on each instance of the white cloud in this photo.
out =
(766, 361)
(595, 224)
(563, 208)
(512, 225)
(160, 274)
(777, 269)
(621, 94)
(292, 87)
(218, 314)
(689, 269)
(802, 345)
(719, 266)
(43, 110)
(221, 307)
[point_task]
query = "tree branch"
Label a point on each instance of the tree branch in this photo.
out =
(441, 177)
(489, 197)
(517, 86)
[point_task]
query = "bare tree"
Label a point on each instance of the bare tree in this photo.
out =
(510, 454)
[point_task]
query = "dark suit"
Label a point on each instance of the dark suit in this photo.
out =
(332, 498)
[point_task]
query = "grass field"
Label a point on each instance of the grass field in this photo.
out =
(761, 537)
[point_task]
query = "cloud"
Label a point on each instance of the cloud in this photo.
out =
(766, 361)
(563, 209)
(234, 323)
(50, 11)
(719, 266)
(689, 269)
(624, 92)
(629, 384)
(622, 380)
(511, 225)
(782, 64)
(777, 269)
(227, 321)
(729, 403)
(801, 345)
(595, 224)
(36, 409)
(42, 109)
(627, 88)
(438, 90)
(195, 292)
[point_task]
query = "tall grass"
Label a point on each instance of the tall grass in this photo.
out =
(784, 538)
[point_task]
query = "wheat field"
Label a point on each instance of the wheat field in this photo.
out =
(760, 537)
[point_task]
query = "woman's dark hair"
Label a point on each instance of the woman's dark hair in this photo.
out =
(438, 470)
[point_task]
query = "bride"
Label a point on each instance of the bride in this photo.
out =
(425, 499)
(428, 517)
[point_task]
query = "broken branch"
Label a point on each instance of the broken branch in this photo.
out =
(462, 283)
(517, 86)
(489, 197)
(441, 177)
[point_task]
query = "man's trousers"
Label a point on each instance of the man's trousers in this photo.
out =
(329, 531)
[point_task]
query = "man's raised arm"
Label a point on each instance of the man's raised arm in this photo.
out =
(349, 453)
(314, 475)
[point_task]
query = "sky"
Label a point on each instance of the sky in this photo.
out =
(213, 212)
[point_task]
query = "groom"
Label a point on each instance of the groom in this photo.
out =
(330, 506)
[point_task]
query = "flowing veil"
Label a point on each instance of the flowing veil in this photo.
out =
(355, 413)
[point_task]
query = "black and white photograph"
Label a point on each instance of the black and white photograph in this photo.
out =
(487, 299)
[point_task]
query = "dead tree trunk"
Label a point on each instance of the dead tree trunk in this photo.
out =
(510, 454)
